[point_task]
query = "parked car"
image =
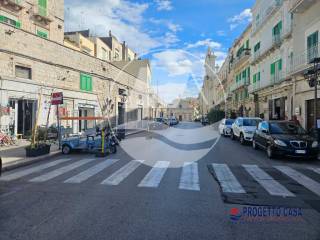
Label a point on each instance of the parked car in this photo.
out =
(243, 129)
(173, 121)
(204, 121)
(285, 138)
(159, 120)
(225, 126)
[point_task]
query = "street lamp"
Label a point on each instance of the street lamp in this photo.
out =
(311, 75)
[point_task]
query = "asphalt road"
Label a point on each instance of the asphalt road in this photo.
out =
(162, 185)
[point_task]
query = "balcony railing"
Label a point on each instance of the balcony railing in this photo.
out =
(245, 54)
(302, 61)
(271, 45)
(41, 14)
(277, 77)
(13, 5)
(300, 5)
(254, 87)
(239, 84)
(265, 14)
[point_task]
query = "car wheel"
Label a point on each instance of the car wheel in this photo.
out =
(113, 149)
(66, 149)
(242, 140)
(232, 136)
(270, 152)
(254, 144)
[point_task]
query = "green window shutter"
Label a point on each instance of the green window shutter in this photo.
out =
(42, 34)
(272, 68)
(258, 76)
(2, 18)
(42, 7)
(89, 83)
(247, 43)
(254, 78)
(18, 24)
(280, 64)
(280, 26)
(83, 80)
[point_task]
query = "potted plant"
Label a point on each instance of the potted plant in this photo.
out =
(39, 145)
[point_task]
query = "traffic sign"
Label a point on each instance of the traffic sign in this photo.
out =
(57, 98)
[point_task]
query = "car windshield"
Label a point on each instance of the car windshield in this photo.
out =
(286, 128)
(251, 122)
(229, 121)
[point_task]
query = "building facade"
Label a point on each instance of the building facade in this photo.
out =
(185, 110)
(34, 63)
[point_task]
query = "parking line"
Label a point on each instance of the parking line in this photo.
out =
(317, 170)
(301, 179)
(60, 171)
(270, 185)
(122, 173)
(154, 176)
(228, 181)
(25, 172)
(91, 171)
(190, 177)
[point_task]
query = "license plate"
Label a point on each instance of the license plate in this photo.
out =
(301, 151)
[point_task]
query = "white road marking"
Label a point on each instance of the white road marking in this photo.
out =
(227, 180)
(25, 172)
(301, 179)
(189, 179)
(61, 171)
(122, 173)
(317, 170)
(154, 176)
(270, 185)
(91, 171)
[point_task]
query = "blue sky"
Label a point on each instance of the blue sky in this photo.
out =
(174, 34)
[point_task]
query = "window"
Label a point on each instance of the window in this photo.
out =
(85, 82)
(104, 54)
(256, 77)
(247, 44)
(23, 72)
(42, 33)
(312, 46)
(42, 4)
(257, 47)
(277, 29)
(10, 21)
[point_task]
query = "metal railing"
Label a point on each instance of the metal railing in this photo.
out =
(265, 14)
(277, 77)
(245, 54)
(243, 82)
(301, 61)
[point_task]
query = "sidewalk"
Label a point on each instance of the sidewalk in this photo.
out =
(15, 156)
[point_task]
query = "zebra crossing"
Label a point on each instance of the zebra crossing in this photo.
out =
(230, 184)
(189, 177)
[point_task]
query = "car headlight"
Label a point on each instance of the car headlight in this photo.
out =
(280, 143)
(315, 144)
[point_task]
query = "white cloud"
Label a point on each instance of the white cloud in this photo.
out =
(175, 62)
(244, 17)
(221, 33)
(163, 5)
(221, 56)
(171, 91)
(207, 42)
(122, 17)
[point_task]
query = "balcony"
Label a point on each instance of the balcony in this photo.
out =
(254, 87)
(265, 14)
(12, 5)
(301, 62)
(244, 55)
(41, 15)
(300, 5)
(277, 77)
(276, 42)
(242, 83)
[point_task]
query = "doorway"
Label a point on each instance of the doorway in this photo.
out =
(26, 116)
